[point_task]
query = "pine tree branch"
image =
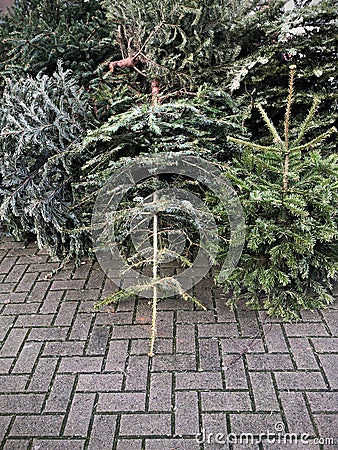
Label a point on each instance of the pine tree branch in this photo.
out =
(251, 144)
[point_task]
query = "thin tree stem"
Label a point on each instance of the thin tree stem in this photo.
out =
(155, 270)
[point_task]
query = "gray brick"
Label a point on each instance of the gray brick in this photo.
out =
(101, 382)
(64, 348)
(7, 264)
(102, 433)
(196, 317)
(199, 380)
(12, 297)
(117, 355)
(66, 284)
(145, 424)
(160, 392)
(137, 373)
(213, 424)
(79, 415)
(129, 444)
(16, 444)
(242, 345)
(110, 317)
(83, 294)
(85, 364)
(266, 362)
(34, 320)
(186, 413)
(26, 282)
(223, 330)
(130, 331)
(48, 334)
(11, 383)
(16, 273)
(5, 365)
(175, 362)
(81, 326)
(327, 425)
(185, 338)
(330, 364)
(274, 338)
(296, 413)
(303, 354)
(39, 290)
(42, 425)
(60, 393)
(98, 340)
(65, 314)
(248, 322)
(6, 323)
(294, 381)
(42, 375)
(331, 318)
(13, 342)
(21, 308)
(21, 403)
(169, 444)
(51, 302)
(121, 401)
(4, 424)
(209, 358)
(323, 401)
(225, 401)
(58, 444)
(326, 345)
(264, 392)
(234, 373)
(27, 357)
(254, 423)
(306, 329)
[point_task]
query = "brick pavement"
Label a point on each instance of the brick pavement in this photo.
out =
(74, 378)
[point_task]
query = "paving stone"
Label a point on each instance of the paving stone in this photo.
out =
(117, 355)
(39, 426)
(12, 297)
(21, 308)
(303, 354)
(16, 444)
(102, 432)
(21, 403)
(10, 383)
(39, 291)
(331, 318)
(175, 362)
(130, 331)
(16, 273)
(48, 334)
(274, 338)
(199, 380)
(311, 329)
(170, 444)
(160, 397)
(129, 444)
(297, 415)
(42, 376)
(294, 381)
(64, 348)
(111, 317)
(26, 282)
(267, 362)
(209, 357)
(137, 373)
(330, 364)
(121, 401)
(13, 342)
(235, 373)
(254, 423)
(34, 320)
(323, 401)
(327, 425)
(80, 414)
(27, 357)
(248, 322)
(195, 317)
(65, 314)
(214, 427)
(264, 391)
(58, 444)
(5, 325)
(325, 345)
(100, 382)
(185, 338)
(4, 424)
(81, 326)
(60, 393)
(224, 330)
(85, 364)
(186, 413)
(83, 295)
(66, 285)
(139, 425)
(225, 401)
(98, 340)
(5, 365)
(242, 345)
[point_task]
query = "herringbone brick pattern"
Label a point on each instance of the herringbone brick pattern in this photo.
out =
(74, 378)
